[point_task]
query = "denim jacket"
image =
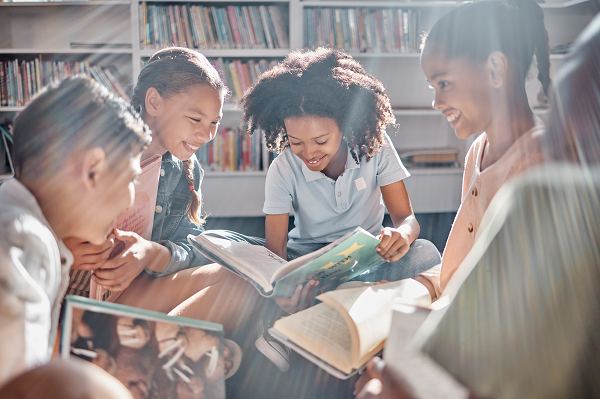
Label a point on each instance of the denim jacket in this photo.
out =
(171, 223)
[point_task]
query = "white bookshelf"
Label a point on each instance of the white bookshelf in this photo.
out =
(48, 28)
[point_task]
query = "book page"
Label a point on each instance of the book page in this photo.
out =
(370, 309)
(322, 331)
(255, 261)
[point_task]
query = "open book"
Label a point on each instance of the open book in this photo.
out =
(138, 219)
(351, 325)
(340, 261)
(151, 353)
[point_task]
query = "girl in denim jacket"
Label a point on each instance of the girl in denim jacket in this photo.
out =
(180, 96)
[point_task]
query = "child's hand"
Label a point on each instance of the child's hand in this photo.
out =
(138, 253)
(301, 299)
(89, 256)
(378, 382)
(394, 244)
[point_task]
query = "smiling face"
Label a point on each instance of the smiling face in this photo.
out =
(317, 142)
(184, 121)
(462, 92)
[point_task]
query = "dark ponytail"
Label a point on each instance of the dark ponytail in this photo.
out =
(171, 71)
(513, 27)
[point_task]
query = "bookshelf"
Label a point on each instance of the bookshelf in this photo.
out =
(51, 27)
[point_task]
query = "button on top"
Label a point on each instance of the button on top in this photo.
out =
(63, 261)
(158, 209)
(162, 172)
(470, 228)
(474, 192)
(339, 194)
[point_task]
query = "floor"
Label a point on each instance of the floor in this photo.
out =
(435, 227)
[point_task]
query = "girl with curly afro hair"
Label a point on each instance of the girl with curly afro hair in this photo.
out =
(326, 117)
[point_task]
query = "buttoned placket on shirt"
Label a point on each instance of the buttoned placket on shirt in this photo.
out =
(341, 185)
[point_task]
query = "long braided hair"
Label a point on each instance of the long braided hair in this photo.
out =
(171, 71)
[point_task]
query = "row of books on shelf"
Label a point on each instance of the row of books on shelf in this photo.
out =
(390, 30)
(21, 80)
(196, 26)
(231, 150)
(241, 75)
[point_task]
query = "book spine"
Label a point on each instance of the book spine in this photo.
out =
(186, 23)
(3, 91)
(250, 26)
(265, 24)
(237, 37)
(258, 27)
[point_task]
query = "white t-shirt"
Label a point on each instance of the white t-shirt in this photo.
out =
(326, 209)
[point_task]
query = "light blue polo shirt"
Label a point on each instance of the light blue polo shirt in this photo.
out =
(326, 209)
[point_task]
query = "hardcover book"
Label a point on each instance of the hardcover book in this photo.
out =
(138, 219)
(154, 355)
(349, 327)
(340, 261)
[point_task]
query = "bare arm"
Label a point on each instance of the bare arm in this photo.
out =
(396, 241)
(276, 233)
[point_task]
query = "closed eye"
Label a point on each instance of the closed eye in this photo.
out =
(322, 142)
(292, 143)
(195, 120)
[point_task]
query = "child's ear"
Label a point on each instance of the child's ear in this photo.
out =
(152, 101)
(497, 64)
(93, 166)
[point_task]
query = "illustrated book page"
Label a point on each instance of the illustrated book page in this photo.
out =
(151, 353)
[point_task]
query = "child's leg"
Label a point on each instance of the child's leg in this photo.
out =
(421, 256)
(209, 292)
(297, 250)
(75, 379)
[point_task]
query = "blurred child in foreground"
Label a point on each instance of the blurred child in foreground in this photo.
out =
(76, 155)
(533, 273)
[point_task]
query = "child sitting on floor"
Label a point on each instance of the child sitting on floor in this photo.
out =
(76, 155)
(326, 117)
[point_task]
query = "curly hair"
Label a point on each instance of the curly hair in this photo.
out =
(325, 83)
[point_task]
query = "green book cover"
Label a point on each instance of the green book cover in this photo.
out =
(272, 276)
(341, 261)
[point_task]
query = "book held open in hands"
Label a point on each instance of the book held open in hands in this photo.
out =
(154, 355)
(139, 218)
(340, 261)
(341, 334)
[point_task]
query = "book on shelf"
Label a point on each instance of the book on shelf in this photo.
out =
(213, 27)
(240, 75)
(7, 169)
(139, 218)
(446, 157)
(349, 327)
(149, 352)
(21, 80)
(340, 261)
(376, 30)
(232, 150)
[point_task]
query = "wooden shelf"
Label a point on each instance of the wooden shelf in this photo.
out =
(261, 174)
(65, 3)
(435, 171)
(11, 109)
(65, 51)
(381, 4)
(218, 1)
(418, 4)
(232, 53)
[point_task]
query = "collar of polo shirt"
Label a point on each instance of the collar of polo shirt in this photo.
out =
(311, 175)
